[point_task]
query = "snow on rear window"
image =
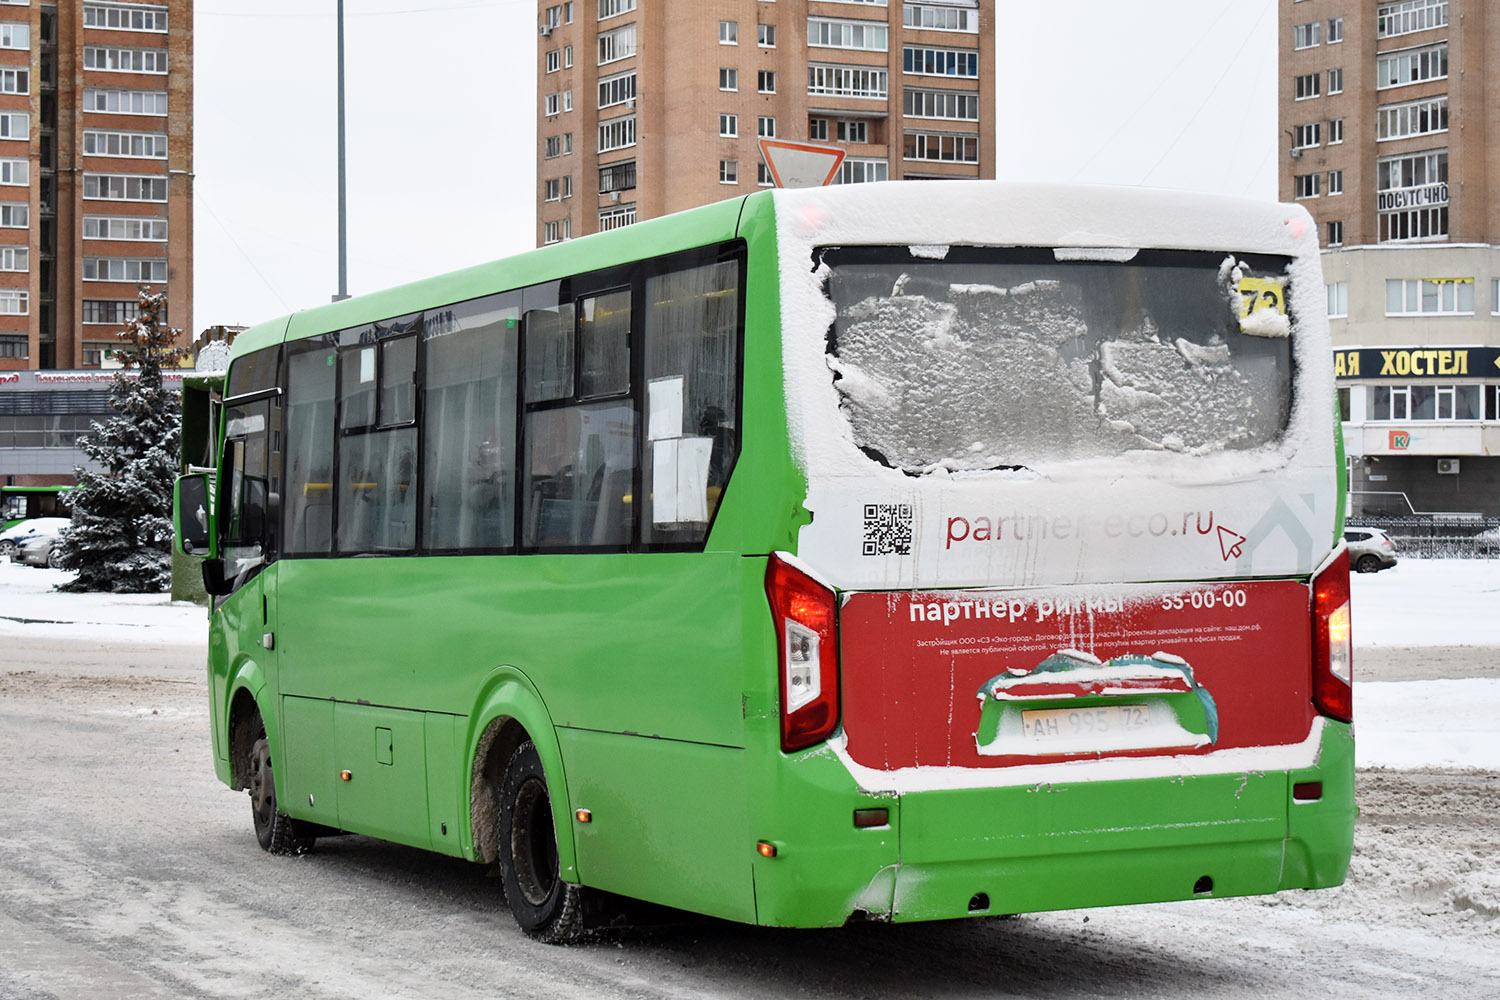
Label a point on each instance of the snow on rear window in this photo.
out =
(993, 359)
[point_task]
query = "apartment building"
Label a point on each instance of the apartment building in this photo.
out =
(96, 199)
(1390, 116)
(647, 108)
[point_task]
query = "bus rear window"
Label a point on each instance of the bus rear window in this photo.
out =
(972, 358)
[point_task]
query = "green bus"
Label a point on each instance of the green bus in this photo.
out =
(890, 551)
(22, 503)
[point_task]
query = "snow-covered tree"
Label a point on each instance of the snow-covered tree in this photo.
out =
(121, 536)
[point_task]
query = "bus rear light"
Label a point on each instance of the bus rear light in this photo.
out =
(1307, 791)
(1333, 650)
(805, 613)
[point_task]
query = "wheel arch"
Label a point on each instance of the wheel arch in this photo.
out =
(510, 711)
(245, 715)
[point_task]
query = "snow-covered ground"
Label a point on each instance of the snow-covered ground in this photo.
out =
(1401, 724)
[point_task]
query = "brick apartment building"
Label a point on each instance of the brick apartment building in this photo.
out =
(96, 198)
(1390, 113)
(648, 108)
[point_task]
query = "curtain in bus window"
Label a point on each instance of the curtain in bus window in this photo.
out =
(549, 353)
(604, 345)
(310, 409)
(377, 491)
(469, 416)
(579, 474)
(692, 373)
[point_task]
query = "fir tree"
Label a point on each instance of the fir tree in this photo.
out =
(120, 539)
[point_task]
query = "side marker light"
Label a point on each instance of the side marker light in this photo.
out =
(583, 816)
(765, 848)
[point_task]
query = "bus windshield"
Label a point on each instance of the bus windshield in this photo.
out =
(1001, 358)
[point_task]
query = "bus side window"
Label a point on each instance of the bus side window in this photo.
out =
(310, 430)
(692, 322)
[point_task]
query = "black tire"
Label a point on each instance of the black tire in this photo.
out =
(546, 907)
(277, 832)
(1368, 564)
(7, 549)
(54, 558)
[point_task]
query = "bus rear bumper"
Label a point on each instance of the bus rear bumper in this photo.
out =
(1030, 848)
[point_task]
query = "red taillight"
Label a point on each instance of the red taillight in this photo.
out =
(1333, 650)
(806, 616)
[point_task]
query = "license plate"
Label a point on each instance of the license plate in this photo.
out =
(1068, 724)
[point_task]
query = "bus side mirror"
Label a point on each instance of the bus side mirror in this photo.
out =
(190, 514)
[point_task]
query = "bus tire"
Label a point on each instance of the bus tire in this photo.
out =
(277, 832)
(547, 908)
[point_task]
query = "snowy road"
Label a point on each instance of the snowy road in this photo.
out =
(127, 870)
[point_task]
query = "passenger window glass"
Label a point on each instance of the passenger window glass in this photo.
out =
(360, 371)
(377, 491)
(692, 370)
(468, 499)
(310, 433)
(579, 476)
(398, 374)
(247, 493)
(604, 345)
(549, 353)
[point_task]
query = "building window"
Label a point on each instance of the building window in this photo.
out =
(1305, 36)
(15, 172)
(729, 32)
(1307, 136)
(856, 130)
(14, 259)
(765, 36)
(1495, 298)
(933, 18)
(15, 215)
(729, 126)
(137, 145)
(617, 44)
(846, 81)
(1424, 117)
(1338, 299)
(617, 177)
(869, 36)
(14, 302)
(1412, 196)
(1425, 402)
(765, 127)
(1308, 85)
(1305, 186)
(610, 8)
(1336, 80)
(567, 97)
(124, 187)
(1336, 233)
(1407, 16)
(729, 78)
(857, 170)
(15, 125)
(1335, 182)
(617, 133)
(941, 147)
(125, 102)
(1429, 296)
(567, 185)
(1397, 69)
(729, 171)
(550, 104)
(763, 175)
(116, 60)
(124, 269)
(940, 62)
(125, 17)
(113, 311)
(1335, 30)
(554, 61)
(15, 36)
(952, 105)
(617, 89)
(1335, 131)
(615, 218)
(552, 189)
(15, 81)
(765, 81)
(552, 232)
(567, 57)
(129, 227)
(817, 129)
(558, 145)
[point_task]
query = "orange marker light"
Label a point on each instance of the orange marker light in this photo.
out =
(346, 775)
(583, 816)
(765, 848)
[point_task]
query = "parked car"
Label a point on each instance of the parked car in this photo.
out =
(1370, 549)
(39, 550)
(13, 536)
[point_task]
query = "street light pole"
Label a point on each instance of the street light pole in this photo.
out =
(343, 208)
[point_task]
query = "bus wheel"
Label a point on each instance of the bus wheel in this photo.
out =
(546, 907)
(277, 832)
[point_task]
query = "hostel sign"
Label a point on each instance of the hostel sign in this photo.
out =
(1405, 363)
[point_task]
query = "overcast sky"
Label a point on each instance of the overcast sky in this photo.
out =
(441, 101)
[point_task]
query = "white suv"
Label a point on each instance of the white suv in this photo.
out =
(1370, 549)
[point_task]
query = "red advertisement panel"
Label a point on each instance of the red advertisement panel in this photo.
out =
(993, 678)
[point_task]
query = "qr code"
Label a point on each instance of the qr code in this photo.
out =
(887, 529)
